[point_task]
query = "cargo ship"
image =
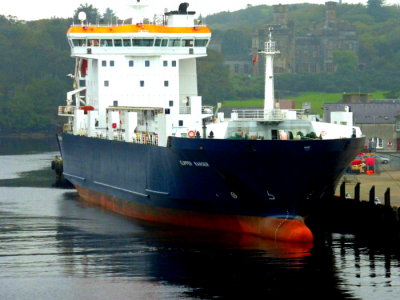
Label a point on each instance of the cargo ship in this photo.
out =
(138, 140)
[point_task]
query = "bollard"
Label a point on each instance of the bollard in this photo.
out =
(357, 192)
(372, 195)
(343, 190)
(387, 197)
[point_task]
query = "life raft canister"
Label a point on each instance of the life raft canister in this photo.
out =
(192, 133)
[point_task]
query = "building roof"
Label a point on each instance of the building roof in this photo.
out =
(376, 112)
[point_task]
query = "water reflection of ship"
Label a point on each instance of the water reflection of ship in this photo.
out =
(205, 264)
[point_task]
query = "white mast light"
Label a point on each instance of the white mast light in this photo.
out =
(269, 52)
(82, 17)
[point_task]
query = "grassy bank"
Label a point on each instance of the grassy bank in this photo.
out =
(316, 99)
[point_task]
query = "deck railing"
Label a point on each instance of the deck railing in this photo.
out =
(67, 111)
(260, 114)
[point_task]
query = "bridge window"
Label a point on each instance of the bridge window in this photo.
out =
(161, 42)
(175, 43)
(93, 43)
(188, 43)
(127, 42)
(106, 43)
(143, 42)
(200, 42)
(79, 42)
(118, 43)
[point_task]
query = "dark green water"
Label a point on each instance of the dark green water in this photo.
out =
(53, 246)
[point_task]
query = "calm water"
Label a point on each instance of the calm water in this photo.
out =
(53, 246)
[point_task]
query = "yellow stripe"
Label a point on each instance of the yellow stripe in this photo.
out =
(137, 28)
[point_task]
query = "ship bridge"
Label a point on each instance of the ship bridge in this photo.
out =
(143, 39)
(174, 33)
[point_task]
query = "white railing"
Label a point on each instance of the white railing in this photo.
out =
(185, 110)
(206, 109)
(272, 115)
(269, 46)
(67, 111)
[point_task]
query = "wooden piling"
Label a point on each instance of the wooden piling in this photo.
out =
(357, 192)
(387, 198)
(343, 190)
(372, 195)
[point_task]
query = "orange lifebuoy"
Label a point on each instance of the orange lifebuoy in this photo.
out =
(191, 133)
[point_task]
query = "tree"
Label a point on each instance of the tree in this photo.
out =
(109, 16)
(215, 84)
(345, 61)
(376, 9)
(92, 14)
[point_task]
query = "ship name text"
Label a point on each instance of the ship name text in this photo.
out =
(187, 163)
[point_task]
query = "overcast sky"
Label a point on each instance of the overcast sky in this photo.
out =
(44, 9)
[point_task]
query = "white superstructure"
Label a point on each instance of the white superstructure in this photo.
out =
(138, 83)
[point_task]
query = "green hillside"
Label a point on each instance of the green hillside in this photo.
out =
(35, 61)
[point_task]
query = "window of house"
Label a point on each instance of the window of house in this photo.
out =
(131, 63)
(142, 83)
(398, 125)
(112, 63)
(165, 63)
(171, 103)
(166, 83)
(106, 83)
(180, 122)
(104, 63)
(174, 63)
(147, 63)
(376, 143)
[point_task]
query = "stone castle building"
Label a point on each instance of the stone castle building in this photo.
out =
(310, 53)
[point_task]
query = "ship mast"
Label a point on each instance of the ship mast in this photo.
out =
(139, 10)
(269, 52)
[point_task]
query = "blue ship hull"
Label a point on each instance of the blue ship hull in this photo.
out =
(216, 179)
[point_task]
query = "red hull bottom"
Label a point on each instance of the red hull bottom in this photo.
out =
(287, 230)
